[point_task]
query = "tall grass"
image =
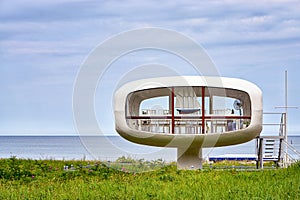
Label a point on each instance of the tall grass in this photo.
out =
(47, 179)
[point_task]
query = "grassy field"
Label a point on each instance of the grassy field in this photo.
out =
(48, 179)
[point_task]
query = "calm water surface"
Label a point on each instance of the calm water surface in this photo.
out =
(102, 148)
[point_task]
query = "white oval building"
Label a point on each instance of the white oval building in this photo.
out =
(188, 113)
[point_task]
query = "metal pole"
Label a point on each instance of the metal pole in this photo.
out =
(286, 107)
(173, 112)
(203, 109)
(257, 152)
(280, 151)
(261, 156)
(286, 114)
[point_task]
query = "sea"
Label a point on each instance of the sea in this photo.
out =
(105, 148)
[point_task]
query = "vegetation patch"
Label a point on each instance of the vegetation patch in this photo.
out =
(50, 179)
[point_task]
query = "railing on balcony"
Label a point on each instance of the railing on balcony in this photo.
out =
(186, 124)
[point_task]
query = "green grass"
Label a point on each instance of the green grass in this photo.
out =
(47, 179)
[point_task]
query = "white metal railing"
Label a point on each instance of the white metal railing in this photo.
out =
(151, 112)
(190, 125)
(293, 155)
(286, 154)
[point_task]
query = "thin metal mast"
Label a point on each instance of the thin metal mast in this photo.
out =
(285, 157)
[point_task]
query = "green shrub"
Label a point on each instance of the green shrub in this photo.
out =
(47, 179)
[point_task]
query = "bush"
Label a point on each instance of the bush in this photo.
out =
(49, 179)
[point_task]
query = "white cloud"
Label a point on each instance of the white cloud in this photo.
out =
(40, 47)
(51, 38)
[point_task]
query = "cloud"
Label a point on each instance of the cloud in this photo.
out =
(41, 47)
(65, 10)
(42, 43)
(214, 21)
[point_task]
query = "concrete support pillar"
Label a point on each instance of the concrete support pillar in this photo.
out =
(190, 158)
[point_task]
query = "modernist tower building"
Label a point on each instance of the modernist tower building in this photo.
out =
(188, 113)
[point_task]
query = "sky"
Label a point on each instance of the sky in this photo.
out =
(44, 43)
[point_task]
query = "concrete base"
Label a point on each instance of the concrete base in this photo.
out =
(189, 159)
